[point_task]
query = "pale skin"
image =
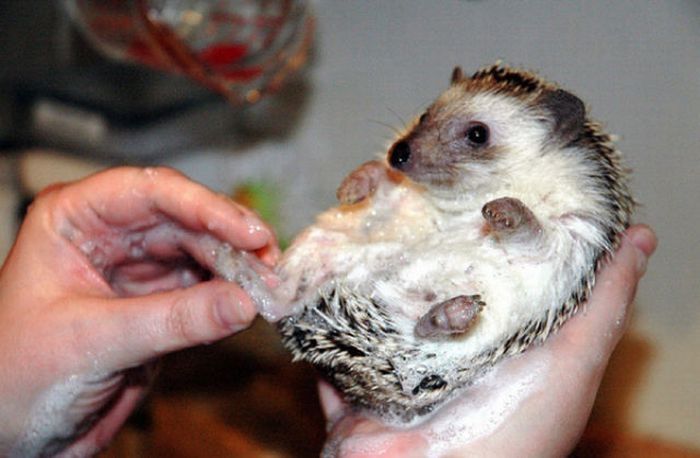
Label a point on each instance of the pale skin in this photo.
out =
(106, 276)
(79, 303)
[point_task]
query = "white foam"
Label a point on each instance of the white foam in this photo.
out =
(483, 407)
(56, 414)
(240, 267)
(136, 245)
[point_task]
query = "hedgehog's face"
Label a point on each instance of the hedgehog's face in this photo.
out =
(464, 140)
(474, 135)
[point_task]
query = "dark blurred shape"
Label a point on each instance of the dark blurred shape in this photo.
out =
(57, 91)
(237, 398)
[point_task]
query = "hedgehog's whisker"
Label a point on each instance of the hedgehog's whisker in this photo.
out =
(398, 116)
(395, 130)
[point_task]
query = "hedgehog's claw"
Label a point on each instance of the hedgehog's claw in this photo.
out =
(453, 316)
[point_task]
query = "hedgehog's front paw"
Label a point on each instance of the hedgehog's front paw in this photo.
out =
(453, 316)
(361, 183)
(508, 216)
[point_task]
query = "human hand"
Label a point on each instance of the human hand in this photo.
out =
(106, 275)
(534, 404)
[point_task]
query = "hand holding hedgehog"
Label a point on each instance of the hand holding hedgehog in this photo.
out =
(534, 404)
(480, 235)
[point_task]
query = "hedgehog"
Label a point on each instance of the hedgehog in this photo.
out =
(477, 235)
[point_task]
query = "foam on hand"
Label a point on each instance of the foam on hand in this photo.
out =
(247, 271)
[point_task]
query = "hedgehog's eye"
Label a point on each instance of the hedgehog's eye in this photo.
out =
(423, 118)
(477, 133)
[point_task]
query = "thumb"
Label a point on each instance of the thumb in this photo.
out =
(594, 333)
(128, 332)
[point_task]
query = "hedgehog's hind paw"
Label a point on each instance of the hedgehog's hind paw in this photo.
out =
(453, 316)
(509, 218)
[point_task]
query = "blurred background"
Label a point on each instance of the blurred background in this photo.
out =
(67, 110)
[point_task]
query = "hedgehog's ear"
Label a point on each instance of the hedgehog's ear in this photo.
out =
(457, 75)
(568, 112)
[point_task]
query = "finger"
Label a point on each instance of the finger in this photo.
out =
(332, 403)
(169, 256)
(597, 329)
(143, 279)
(355, 436)
(205, 250)
(124, 333)
(99, 436)
(270, 254)
(133, 197)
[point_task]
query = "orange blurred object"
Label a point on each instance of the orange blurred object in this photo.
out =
(242, 49)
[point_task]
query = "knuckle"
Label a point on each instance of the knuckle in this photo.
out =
(49, 191)
(181, 322)
(192, 321)
(160, 172)
(155, 174)
(48, 205)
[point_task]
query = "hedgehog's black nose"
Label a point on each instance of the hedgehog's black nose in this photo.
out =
(400, 154)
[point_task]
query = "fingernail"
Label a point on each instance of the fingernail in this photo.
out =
(643, 238)
(331, 403)
(255, 226)
(230, 312)
(644, 242)
(629, 248)
(642, 261)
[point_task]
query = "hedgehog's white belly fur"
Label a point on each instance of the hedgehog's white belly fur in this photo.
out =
(406, 254)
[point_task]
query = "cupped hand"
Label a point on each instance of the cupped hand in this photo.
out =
(534, 404)
(107, 274)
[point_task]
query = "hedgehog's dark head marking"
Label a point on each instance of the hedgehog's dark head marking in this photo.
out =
(565, 111)
(467, 127)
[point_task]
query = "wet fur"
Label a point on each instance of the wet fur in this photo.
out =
(358, 314)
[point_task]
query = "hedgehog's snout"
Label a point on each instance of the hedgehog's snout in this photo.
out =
(400, 155)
